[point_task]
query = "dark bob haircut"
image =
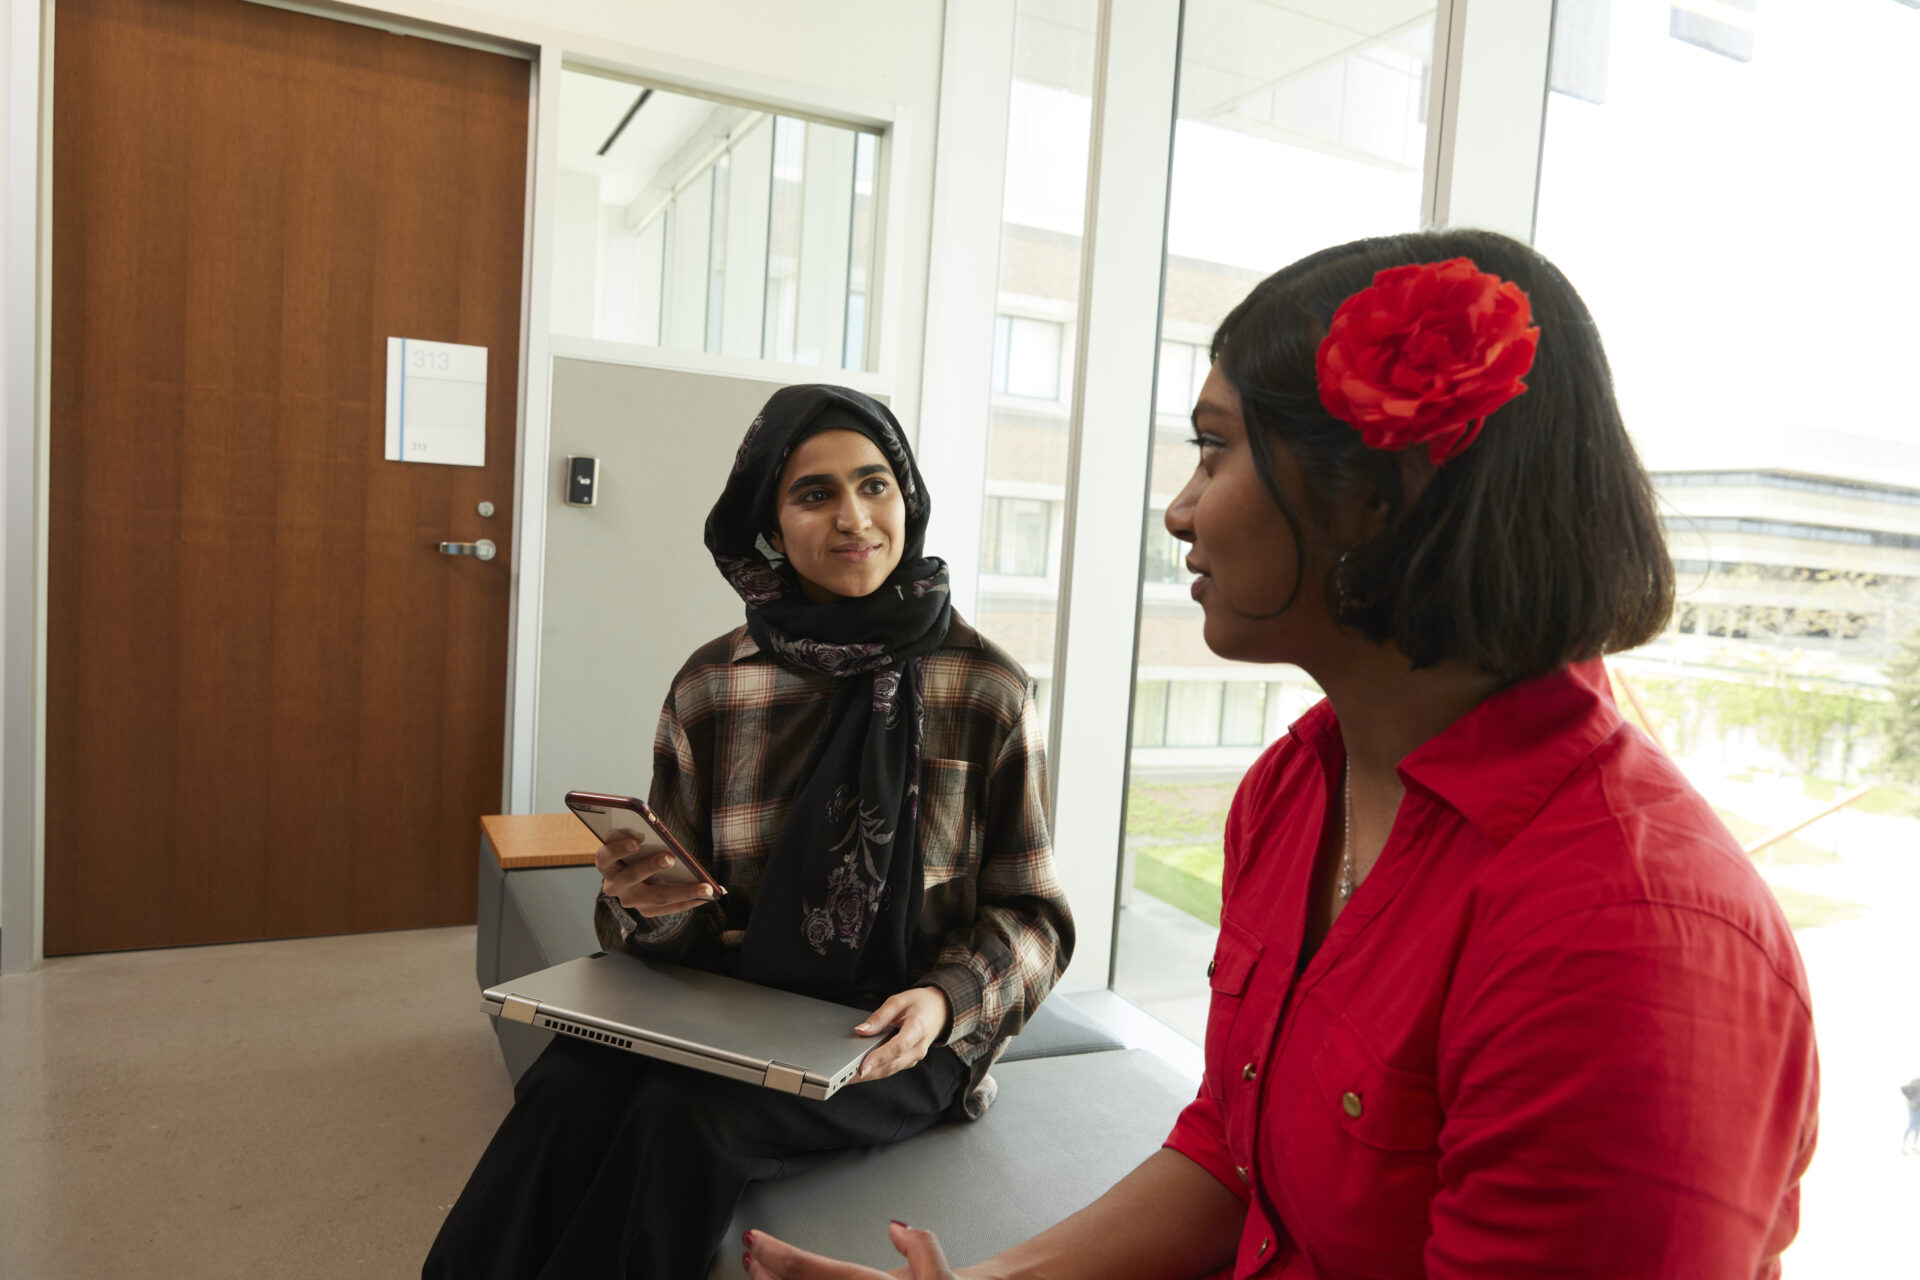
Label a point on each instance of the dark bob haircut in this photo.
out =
(1537, 546)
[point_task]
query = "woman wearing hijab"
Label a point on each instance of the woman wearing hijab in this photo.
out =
(864, 773)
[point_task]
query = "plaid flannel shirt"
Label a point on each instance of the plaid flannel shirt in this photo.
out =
(994, 932)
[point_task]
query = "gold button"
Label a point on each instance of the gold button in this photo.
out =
(1350, 1103)
(1248, 1072)
(1210, 965)
(1242, 1171)
(1264, 1246)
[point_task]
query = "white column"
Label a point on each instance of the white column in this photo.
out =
(1491, 99)
(22, 482)
(1109, 449)
(963, 285)
(531, 480)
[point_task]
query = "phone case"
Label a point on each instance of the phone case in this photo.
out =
(604, 814)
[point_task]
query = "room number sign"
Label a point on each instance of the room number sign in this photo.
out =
(436, 402)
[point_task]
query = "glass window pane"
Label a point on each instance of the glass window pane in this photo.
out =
(1033, 358)
(782, 313)
(1018, 533)
(1150, 713)
(677, 225)
(1031, 521)
(860, 255)
(1166, 554)
(1244, 715)
(1792, 495)
(1267, 110)
(750, 180)
(1042, 214)
(717, 254)
(826, 219)
(689, 231)
(1174, 392)
(630, 302)
(1002, 339)
(1193, 713)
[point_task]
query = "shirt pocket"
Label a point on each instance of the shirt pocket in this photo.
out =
(1371, 1139)
(1376, 1105)
(949, 832)
(1235, 957)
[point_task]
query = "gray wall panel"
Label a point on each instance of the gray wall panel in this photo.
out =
(630, 589)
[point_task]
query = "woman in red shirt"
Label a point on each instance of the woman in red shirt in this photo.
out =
(1495, 993)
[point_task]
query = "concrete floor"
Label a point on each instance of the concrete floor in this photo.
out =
(286, 1109)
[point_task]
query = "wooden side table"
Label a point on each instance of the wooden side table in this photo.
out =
(518, 841)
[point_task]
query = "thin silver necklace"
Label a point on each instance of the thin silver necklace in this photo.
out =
(1346, 844)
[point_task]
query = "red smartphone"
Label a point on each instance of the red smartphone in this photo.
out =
(609, 817)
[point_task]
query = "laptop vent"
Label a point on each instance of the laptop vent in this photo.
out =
(585, 1033)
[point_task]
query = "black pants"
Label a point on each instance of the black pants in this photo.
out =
(615, 1165)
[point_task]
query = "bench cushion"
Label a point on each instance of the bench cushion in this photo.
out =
(1058, 1028)
(1062, 1131)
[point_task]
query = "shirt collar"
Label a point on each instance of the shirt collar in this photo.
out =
(1497, 764)
(960, 635)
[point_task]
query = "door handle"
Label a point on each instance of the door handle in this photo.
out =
(483, 549)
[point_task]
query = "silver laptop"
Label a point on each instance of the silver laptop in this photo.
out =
(731, 1028)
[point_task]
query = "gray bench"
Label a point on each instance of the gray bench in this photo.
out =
(1076, 1109)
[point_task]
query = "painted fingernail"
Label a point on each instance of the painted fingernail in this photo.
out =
(896, 1222)
(746, 1238)
(746, 1263)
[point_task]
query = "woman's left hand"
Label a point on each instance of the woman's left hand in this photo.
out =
(770, 1259)
(920, 1013)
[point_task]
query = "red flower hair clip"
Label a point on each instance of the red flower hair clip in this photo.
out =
(1425, 353)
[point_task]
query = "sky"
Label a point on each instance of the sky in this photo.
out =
(1745, 233)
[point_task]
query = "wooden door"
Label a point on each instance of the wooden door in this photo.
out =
(273, 708)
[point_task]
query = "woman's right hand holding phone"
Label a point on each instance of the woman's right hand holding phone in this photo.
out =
(626, 874)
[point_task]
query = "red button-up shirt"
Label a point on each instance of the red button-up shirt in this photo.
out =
(1561, 1029)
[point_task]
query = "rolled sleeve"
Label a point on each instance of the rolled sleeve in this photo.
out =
(1201, 1136)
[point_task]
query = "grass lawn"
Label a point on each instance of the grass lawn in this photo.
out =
(1186, 876)
(1179, 811)
(1175, 832)
(1888, 799)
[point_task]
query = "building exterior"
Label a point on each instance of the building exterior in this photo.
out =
(1777, 564)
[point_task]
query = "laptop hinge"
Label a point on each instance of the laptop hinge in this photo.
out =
(784, 1078)
(519, 1008)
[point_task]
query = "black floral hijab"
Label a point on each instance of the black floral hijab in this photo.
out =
(835, 912)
